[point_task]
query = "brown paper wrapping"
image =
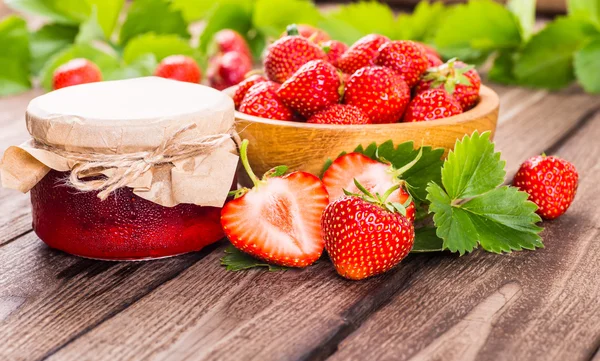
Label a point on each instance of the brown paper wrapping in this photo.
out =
(153, 110)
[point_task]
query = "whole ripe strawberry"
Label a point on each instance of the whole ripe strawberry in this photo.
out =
(228, 40)
(261, 100)
(278, 220)
(74, 72)
(228, 69)
(365, 235)
(316, 35)
(432, 104)
(406, 58)
(314, 87)
(433, 61)
(179, 67)
(459, 79)
(429, 50)
(379, 92)
(339, 114)
(373, 175)
(243, 87)
(551, 183)
(362, 53)
(288, 54)
(334, 50)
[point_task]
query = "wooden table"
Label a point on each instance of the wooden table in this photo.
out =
(542, 305)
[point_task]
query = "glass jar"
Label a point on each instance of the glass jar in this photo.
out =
(122, 227)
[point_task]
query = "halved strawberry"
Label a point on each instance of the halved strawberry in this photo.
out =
(375, 176)
(279, 219)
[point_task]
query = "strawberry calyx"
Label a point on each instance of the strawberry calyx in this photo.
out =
(272, 173)
(448, 75)
(292, 29)
(381, 200)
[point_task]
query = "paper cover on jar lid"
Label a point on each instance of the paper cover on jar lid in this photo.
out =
(175, 134)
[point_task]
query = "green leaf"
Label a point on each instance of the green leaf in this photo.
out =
(227, 14)
(143, 65)
(90, 29)
(588, 9)
(422, 24)
(49, 40)
(157, 16)
(62, 11)
(502, 69)
(159, 45)
(14, 57)
(193, 10)
(472, 31)
(272, 16)
(427, 241)
(547, 59)
(366, 17)
(340, 30)
(473, 167)
(587, 66)
(108, 12)
(106, 62)
(236, 260)
(524, 10)
(472, 210)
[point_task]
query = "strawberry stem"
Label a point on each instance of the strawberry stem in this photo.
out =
(292, 29)
(246, 164)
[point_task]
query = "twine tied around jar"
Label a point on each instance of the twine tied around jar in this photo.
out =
(129, 167)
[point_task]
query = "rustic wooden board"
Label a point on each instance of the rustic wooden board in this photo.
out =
(298, 314)
(542, 305)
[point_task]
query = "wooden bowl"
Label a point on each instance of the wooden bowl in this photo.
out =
(303, 146)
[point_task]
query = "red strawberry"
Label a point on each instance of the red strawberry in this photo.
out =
(310, 32)
(362, 53)
(288, 54)
(551, 183)
(179, 67)
(458, 78)
(334, 50)
(74, 72)
(244, 86)
(340, 114)
(228, 69)
(406, 58)
(379, 92)
(432, 104)
(314, 87)
(365, 236)
(228, 40)
(429, 50)
(278, 220)
(433, 60)
(261, 100)
(375, 176)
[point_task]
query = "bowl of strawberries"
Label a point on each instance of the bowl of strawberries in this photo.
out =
(315, 100)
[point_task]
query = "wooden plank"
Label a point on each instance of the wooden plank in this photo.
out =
(48, 298)
(291, 315)
(524, 306)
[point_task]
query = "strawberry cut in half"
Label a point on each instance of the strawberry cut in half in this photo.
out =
(279, 219)
(375, 176)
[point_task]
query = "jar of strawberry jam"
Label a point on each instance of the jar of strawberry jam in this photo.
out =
(126, 170)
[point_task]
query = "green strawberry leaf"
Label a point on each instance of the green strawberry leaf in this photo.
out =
(143, 65)
(271, 17)
(193, 10)
(588, 9)
(470, 210)
(90, 29)
(547, 59)
(49, 40)
(339, 29)
(426, 240)
(108, 12)
(587, 66)
(422, 24)
(160, 46)
(524, 10)
(62, 11)
(105, 61)
(473, 167)
(365, 17)
(227, 14)
(502, 69)
(236, 260)
(466, 33)
(14, 57)
(157, 16)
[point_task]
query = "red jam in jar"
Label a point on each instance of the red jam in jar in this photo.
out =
(122, 227)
